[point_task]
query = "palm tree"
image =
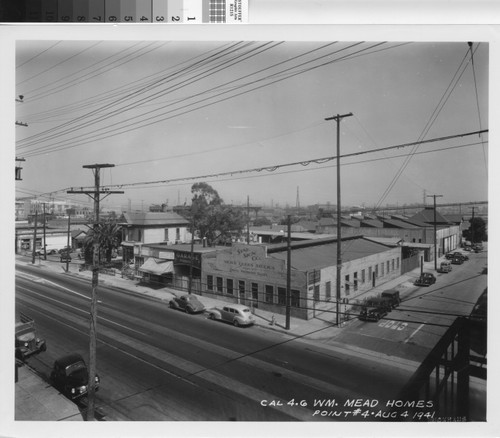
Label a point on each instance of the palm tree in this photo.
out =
(108, 236)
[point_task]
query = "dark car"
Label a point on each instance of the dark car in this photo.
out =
(393, 296)
(188, 303)
(425, 279)
(65, 257)
(371, 313)
(70, 376)
(457, 260)
(464, 257)
(449, 256)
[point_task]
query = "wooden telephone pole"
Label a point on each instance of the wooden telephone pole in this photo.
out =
(96, 196)
(338, 118)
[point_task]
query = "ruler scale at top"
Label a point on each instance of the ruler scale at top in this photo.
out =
(134, 11)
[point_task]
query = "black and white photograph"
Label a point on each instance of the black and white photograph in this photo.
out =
(271, 227)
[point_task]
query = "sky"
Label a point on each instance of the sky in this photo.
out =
(171, 113)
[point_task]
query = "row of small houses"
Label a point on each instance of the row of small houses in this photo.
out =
(157, 249)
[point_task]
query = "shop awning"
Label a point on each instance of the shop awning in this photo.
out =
(157, 267)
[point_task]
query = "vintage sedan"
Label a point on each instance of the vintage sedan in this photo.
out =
(187, 303)
(236, 314)
(70, 376)
(425, 279)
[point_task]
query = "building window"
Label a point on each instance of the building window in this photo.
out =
(282, 296)
(316, 292)
(370, 273)
(255, 294)
(393, 264)
(269, 294)
(328, 290)
(397, 263)
(241, 287)
(229, 286)
(381, 269)
(388, 266)
(210, 282)
(363, 277)
(347, 285)
(355, 281)
(220, 284)
(165, 235)
(177, 234)
(295, 298)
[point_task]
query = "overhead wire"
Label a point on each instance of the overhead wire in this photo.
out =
(115, 92)
(218, 101)
(477, 101)
(437, 110)
(148, 87)
(38, 54)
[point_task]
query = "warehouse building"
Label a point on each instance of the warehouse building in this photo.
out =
(256, 275)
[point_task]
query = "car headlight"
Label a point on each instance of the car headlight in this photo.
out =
(96, 379)
(26, 344)
(82, 389)
(72, 390)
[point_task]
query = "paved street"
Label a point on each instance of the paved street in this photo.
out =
(158, 363)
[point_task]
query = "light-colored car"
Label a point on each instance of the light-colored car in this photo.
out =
(236, 314)
(188, 303)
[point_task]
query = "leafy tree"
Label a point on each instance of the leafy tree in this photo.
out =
(477, 230)
(215, 221)
(261, 221)
(109, 236)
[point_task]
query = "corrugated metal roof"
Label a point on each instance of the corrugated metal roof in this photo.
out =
(321, 256)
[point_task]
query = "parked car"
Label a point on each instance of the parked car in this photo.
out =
(445, 267)
(236, 314)
(65, 257)
(425, 279)
(70, 376)
(27, 341)
(188, 303)
(449, 256)
(464, 257)
(457, 260)
(371, 313)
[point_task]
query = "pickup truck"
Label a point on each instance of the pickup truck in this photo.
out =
(371, 313)
(27, 341)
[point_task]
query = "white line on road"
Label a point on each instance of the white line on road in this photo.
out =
(414, 333)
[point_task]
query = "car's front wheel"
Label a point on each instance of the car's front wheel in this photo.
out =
(236, 323)
(211, 316)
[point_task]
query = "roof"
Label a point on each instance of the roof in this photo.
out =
(157, 267)
(396, 223)
(374, 223)
(321, 256)
(69, 359)
(389, 241)
(154, 219)
(427, 216)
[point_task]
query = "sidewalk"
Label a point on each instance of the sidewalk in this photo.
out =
(37, 400)
(319, 328)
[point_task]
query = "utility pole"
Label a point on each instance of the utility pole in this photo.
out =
(435, 229)
(338, 118)
(248, 220)
(472, 226)
(190, 284)
(34, 236)
(44, 235)
(288, 273)
(67, 240)
(95, 195)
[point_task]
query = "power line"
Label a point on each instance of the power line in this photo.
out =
(142, 124)
(302, 163)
